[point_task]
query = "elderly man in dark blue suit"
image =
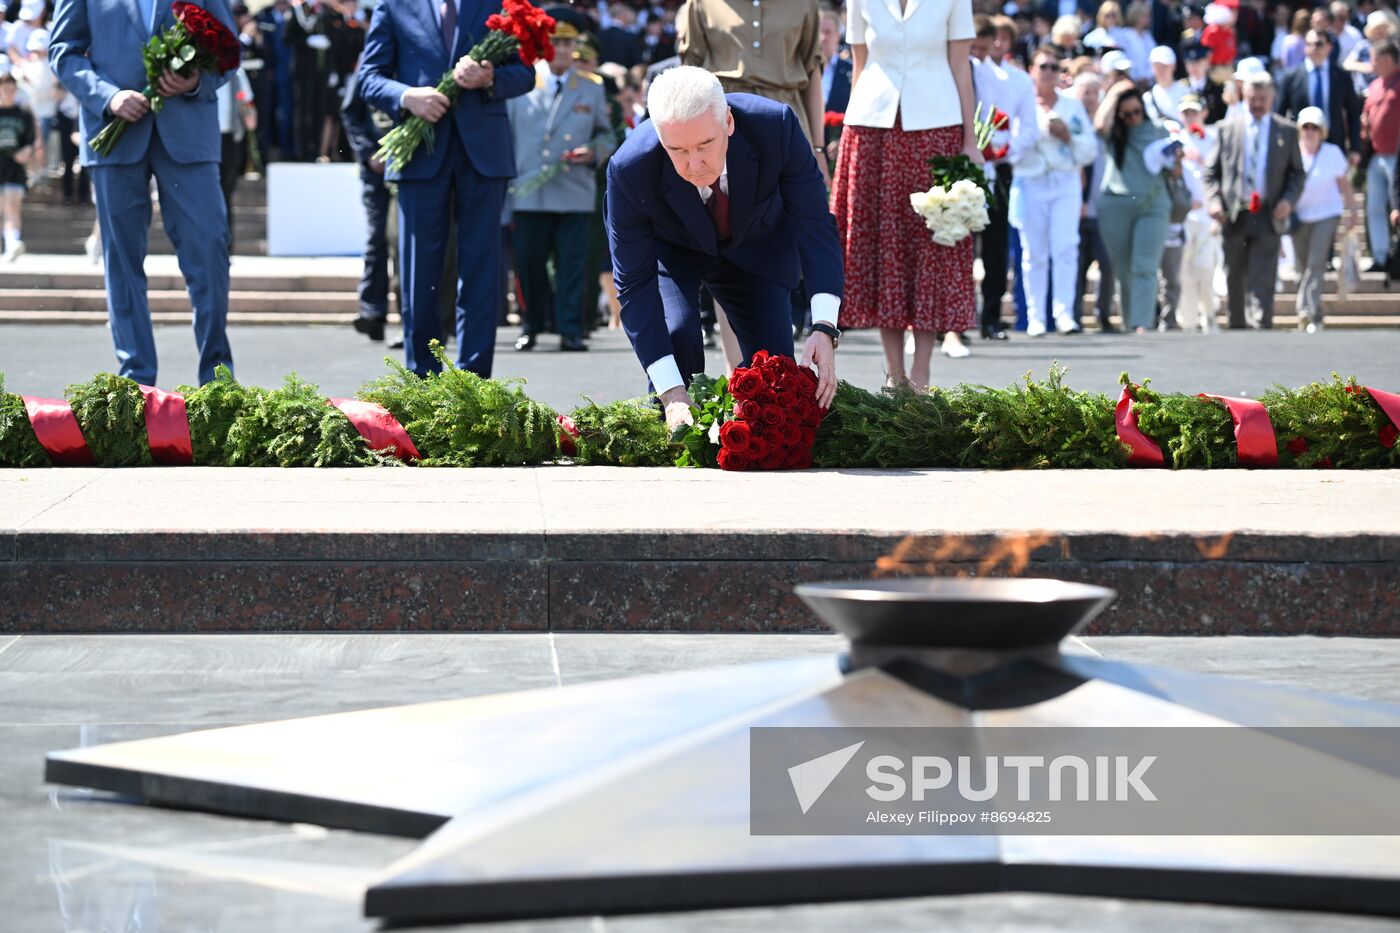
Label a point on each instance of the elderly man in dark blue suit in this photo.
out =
(180, 146)
(724, 192)
(411, 44)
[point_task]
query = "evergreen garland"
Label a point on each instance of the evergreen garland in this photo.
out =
(212, 409)
(627, 433)
(111, 413)
(457, 418)
(18, 445)
(295, 427)
(1331, 424)
(1194, 433)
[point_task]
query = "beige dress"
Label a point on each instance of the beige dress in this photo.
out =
(770, 49)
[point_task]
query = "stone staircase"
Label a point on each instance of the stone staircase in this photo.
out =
(267, 291)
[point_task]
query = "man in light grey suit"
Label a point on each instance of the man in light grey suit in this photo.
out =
(1252, 181)
(96, 49)
(565, 118)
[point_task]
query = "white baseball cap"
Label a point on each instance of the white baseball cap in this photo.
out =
(1248, 67)
(31, 9)
(1312, 116)
(1163, 55)
(1115, 60)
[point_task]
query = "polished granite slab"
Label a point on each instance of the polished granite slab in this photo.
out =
(79, 861)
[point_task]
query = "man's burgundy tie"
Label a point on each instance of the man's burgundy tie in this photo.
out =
(449, 25)
(718, 206)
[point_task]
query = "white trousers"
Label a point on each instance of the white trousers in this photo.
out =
(1046, 211)
(1201, 257)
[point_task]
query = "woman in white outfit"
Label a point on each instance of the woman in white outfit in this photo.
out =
(1046, 197)
(1326, 192)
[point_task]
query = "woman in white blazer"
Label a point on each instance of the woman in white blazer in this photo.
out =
(911, 99)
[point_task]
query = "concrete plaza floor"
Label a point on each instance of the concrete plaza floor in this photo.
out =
(42, 359)
(79, 862)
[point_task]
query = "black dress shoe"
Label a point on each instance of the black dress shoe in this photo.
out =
(572, 344)
(1376, 266)
(1108, 327)
(395, 344)
(371, 327)
(995, 333)
(525, 342)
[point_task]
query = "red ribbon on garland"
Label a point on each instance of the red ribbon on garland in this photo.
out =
(569, 431)
(377, 426)
(1142, 450)
(1254, 432)
(1389, 403)
(57, 431)
(168, 427)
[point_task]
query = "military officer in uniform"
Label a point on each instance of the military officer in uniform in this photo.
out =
(364, 128)
(560, 129)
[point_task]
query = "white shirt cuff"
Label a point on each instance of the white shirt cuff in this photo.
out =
(664, 374)
(825, 308)
(1154, 157)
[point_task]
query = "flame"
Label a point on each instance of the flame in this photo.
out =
(1005, 556)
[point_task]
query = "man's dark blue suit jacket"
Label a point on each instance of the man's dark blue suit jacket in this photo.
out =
(781, 229)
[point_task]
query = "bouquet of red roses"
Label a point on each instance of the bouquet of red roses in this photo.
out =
(519, 29)
(764, 418)
(197, 42)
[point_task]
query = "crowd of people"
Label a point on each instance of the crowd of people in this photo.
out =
(1186, 153)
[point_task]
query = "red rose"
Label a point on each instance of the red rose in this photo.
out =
(806, 380)
(745, 384)
(1298, 446)
(746, 411)
(832, 118)
(1256, 203)
(1196, 130)
(735, 436)
(1325, 463)
(758, 448)
(772, 415)
(999, 119)
(759, 358)
(730, 460)
(995, 153)
(774, 459)
(809, 437)
(1388, 435)
(792, 436)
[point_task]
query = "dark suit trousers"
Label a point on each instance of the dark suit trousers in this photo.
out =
(540, 235)
(233, 156)
(995, 250)
(1251, 268)
(1091, 250)
(374, 280)
(426, 208)
(759, 311)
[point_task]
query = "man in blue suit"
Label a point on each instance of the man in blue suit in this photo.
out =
(180, 146)
(411, 44)
(722, 191)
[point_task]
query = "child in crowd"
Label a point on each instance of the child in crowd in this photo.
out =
(16, 149)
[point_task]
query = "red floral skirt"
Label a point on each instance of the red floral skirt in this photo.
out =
(896, 276)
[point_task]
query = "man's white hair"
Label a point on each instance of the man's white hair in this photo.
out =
(1259, 79)
(684, 93)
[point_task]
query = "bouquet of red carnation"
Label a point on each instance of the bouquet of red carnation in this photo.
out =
(521, 28)
(197, 42)
(764, 418)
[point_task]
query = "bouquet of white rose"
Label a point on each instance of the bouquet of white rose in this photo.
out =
(953, 213)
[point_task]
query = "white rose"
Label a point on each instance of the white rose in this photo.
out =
(714, 433)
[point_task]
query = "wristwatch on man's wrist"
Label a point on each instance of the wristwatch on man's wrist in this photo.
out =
(822, 327)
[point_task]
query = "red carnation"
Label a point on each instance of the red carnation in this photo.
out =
(995, 153)
(1256, 203)
(745, 384)
(1196, 130)
(1388, 435)
(1298, 446)
(735, 436)
(833, 119)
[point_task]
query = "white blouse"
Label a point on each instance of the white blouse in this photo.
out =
(906, 51)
